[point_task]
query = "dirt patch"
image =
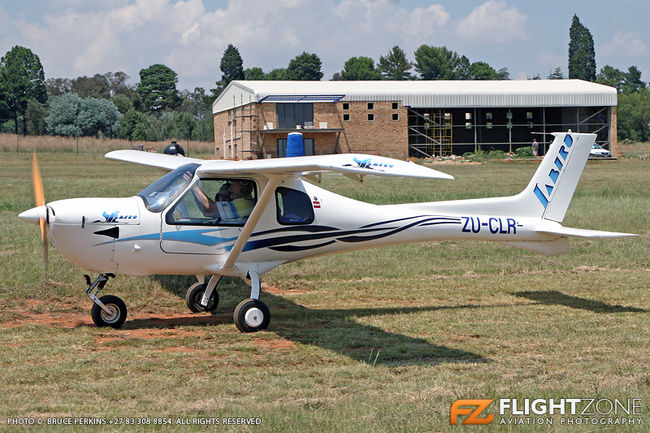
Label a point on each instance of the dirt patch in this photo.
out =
(138, 325)
(278, 291)
(276, 344)
(581, 269)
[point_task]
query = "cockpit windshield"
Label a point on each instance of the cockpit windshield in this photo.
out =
(163, 191)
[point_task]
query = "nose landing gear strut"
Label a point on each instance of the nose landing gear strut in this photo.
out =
(108, 310)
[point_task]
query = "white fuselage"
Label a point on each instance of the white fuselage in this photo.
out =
(121, 235)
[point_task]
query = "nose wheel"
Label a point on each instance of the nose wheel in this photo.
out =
(114, 315)
(108, 310)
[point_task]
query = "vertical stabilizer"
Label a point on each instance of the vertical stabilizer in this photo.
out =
(552, 187)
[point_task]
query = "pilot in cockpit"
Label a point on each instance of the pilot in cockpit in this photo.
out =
(233, 202)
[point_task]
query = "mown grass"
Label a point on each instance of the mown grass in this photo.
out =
(373, 340)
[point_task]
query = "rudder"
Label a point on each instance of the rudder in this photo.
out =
(552, 187)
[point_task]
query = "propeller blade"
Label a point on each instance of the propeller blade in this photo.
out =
(39, 197)
(42, 225)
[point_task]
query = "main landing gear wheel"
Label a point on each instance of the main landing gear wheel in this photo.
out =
(252, 315)
(194, 295)
(115, 318)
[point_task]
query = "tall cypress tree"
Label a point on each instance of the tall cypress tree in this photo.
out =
(232, 67)
(582, 57)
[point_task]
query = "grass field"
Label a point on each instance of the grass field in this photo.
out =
(369, 341)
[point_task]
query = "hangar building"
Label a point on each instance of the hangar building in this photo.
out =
(407, 118)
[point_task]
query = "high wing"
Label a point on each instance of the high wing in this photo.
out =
(352, 165)
(355, 166)
(160, 160)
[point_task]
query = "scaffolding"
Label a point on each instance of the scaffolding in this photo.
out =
(432, 131)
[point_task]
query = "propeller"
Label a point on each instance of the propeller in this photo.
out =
(39, 197)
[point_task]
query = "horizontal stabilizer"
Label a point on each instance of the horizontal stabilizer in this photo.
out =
(584, 233)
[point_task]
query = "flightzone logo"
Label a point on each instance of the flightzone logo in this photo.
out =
(542, 411)
(554, 174)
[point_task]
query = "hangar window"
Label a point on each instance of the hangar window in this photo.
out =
(371, 116)
(346, 116)
(371, 105)
(346, 105)
(395, 116)
(395, 105)
(293, 207)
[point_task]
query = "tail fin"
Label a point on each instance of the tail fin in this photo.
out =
(550, 190)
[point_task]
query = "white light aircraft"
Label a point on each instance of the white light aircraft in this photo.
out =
(211, 218)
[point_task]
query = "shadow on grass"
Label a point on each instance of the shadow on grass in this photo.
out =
(553, 297)
(333, 329)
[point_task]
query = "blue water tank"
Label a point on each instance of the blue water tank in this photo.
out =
(295, 145)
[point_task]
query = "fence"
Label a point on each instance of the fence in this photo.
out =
(47, 143)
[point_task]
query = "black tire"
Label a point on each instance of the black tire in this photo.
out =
(103, 319)
(258, 316)
(194, 295)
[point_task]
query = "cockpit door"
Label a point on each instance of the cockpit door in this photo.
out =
(208, 217)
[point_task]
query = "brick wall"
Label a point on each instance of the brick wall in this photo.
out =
(380, 129)
(381, 136)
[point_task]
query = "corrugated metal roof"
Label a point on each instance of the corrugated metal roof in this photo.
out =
(438, 93)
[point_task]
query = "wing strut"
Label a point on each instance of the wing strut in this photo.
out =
(254, 217)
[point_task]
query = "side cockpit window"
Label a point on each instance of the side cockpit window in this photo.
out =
(215, 202)
(293, 207)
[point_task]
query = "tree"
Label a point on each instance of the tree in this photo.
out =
(122, 102)
(21, 79)
(71, 115)
(232, 65)
(611, 76)
(117, 83)
(133, 125)
(86, 87)
(64, 110)
(439, 63)
(193, 103)
(481, 71)
(157, 88)
(276, 74)
(557, 74)
(232, 68)
(632, 80)
(98, 117)
(35, 115)
(634, 115)
(395, 65)
(582, 57)
(185, 124)
(305, 67)
(255, 73)
(58, 86)
(503, 74)
(360, 68)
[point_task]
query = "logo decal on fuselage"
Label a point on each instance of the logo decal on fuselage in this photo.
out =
(554, 174)
(115, 217)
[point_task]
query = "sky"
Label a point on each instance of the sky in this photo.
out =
(528, 37)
